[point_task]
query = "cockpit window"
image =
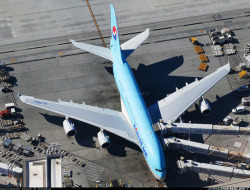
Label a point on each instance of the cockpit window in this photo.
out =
(160, 170)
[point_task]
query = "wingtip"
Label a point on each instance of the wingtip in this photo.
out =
(111, 7)
(18, 94)
(24, 98)
(72, 41)
(225, 67)
(228, 65)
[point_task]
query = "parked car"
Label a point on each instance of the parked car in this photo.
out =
(227, 120)
(245, 101)
(239, 109)
(218, 162)
(243, 88)
(237, 121)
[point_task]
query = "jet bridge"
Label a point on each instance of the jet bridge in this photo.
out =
(211, 169)
(162, 129)
(186, 145)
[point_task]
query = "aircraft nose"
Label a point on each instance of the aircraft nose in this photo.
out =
(161, 177)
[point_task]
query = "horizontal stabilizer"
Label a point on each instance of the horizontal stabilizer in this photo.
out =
(100, 51)
(130, 46)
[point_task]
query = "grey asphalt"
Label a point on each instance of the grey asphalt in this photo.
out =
(33, 33)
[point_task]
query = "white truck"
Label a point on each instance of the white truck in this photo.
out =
(227, 120)
(11, 106)
(237, 121)
(245, 101)
(238, 109)
(220, 36)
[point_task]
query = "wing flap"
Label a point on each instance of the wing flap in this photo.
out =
(129, 46)
(112, 121)
(170, 108)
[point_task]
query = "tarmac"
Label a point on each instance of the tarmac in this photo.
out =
(43, 63)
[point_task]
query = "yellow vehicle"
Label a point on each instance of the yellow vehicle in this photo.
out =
(193, 40)
(203, 67)
(242, 74)
(203, 58)
(198, 49)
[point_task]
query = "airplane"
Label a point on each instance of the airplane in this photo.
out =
(134, 122)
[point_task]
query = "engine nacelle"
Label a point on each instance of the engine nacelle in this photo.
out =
(205, 107)
(69, 127)
(103, 139)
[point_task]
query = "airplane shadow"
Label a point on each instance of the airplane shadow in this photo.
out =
(219, 109)
(173, 178)
(85, 132)
(55, 120)
(154, 81)
(119, 145)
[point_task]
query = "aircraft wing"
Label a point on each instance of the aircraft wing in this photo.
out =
(100, 51)
(109, 120)
(170, 108)
(129, 46)
(247, 57)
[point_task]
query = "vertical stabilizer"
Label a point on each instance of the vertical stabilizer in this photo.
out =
(114, 42)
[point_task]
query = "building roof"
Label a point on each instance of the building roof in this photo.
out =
(43, 171)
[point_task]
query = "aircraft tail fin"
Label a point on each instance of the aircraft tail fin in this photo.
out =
(114, 42)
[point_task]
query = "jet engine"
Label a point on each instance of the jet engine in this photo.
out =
(69, 127)
(205, 107)
(103, 139)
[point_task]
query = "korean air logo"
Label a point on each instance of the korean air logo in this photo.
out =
(114, 33)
